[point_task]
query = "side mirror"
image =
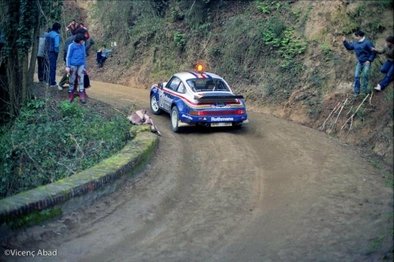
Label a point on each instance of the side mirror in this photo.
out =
(160, 85)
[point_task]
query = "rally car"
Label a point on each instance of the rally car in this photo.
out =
(198, 98)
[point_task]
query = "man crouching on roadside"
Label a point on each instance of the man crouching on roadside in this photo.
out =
(75, 66)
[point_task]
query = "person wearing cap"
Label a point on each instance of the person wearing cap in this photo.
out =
(75, 66)
(363, 49)
(388, 66)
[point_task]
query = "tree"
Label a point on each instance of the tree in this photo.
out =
(20, 24)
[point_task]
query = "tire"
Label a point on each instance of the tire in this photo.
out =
(154, 105)
(174, 119)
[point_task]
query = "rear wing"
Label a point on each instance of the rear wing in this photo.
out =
(218, 98)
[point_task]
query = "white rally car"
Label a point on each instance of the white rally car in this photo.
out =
(198, 98)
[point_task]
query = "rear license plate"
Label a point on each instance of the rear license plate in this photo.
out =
(220, 124)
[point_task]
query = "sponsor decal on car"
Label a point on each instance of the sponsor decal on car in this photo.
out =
(221, 119)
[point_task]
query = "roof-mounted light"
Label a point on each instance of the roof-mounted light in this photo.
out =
(199, 67)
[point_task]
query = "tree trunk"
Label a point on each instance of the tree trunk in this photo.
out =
(33, 56)
(11, 87)
(25, 78)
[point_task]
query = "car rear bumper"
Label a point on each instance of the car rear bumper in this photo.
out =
(208, 120)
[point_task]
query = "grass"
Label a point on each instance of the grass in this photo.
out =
(51, 140)
(34, 218)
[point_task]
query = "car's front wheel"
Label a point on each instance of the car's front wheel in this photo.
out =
(154, 105)
(175, 119)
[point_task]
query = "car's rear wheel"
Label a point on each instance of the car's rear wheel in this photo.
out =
(175, 119)
(154, 105)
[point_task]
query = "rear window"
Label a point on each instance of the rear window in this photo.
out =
(207, 84)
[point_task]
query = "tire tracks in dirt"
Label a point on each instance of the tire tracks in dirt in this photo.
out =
(272, 191)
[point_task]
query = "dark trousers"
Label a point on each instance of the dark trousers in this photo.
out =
(64, 80)
(52, 67)
(100, 59)
(42, 68)
(388, 69)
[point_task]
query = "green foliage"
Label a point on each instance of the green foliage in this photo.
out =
(22, 18)
(285, 40)
(326, 49)
(366, 16)
(160, 7)
(177, 14)
(127, 21)
(68, 109)
(179, 40)
(274, 33)
(263, 7)
(251, 52)
(385, 4)
(47, 143)
(19, 24)
(291, 45)
(35, 218)
(270, 6)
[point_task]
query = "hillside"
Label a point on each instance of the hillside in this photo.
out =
(286, 57)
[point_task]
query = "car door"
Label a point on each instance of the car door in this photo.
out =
(168, 94)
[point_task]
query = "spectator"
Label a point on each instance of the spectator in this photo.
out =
(388, 66)
(88, 40)
(365, 56)
(72, 26)
(42, 61)
(88, 45)
(52, 45)
(67, 43)
(75, 66)
(102, 55)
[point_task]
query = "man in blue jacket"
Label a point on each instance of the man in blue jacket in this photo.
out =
(52, 45)
(365, 55)
(75, 65)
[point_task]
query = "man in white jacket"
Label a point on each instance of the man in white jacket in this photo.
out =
(42, 61)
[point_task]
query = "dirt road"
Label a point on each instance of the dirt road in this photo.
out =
(272, 191)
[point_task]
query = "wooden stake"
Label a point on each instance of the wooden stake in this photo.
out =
(329, 116)
(370, 99)
(352, 116)
(340, 111)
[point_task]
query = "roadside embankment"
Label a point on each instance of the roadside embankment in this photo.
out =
(80, 188)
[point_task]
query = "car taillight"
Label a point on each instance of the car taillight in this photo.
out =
(217, 113)
(199, 113)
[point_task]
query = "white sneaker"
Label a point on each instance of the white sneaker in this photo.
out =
(378, 88)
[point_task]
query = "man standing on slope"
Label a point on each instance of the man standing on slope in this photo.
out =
(365, 55)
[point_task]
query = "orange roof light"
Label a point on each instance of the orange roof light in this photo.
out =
(200, 68)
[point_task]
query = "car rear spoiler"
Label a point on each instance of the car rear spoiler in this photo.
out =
(217, 99)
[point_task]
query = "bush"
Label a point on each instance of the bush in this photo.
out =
(48, 142)
(179, 40)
